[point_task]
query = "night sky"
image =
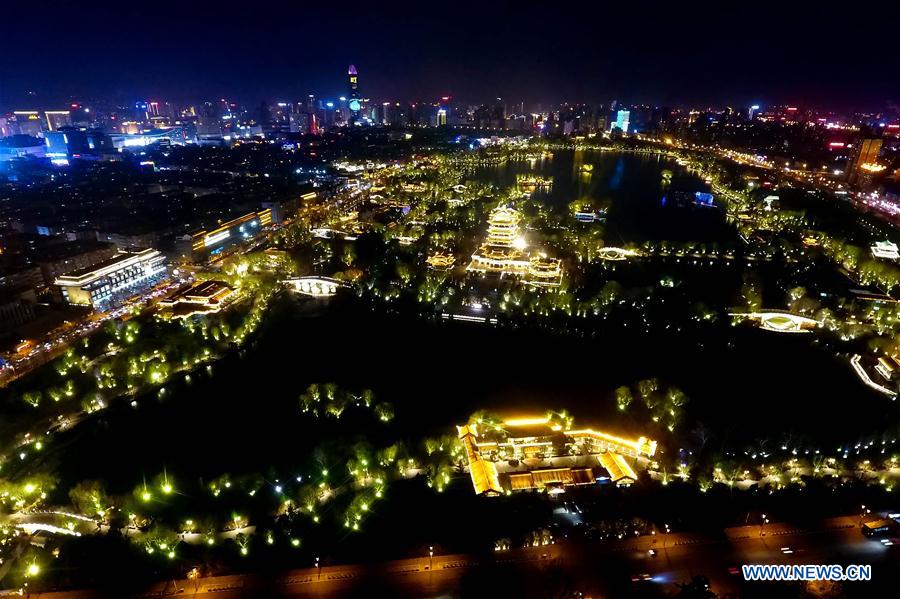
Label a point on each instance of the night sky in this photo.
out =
(745, 52)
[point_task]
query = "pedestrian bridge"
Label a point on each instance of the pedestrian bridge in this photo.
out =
(615, 254)
(314, 286)
(327, 233)
(780, 322)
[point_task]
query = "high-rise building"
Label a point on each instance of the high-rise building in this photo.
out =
(864, 152)
(353, 96)
(27, 122)
(621, 123)
(57, 119)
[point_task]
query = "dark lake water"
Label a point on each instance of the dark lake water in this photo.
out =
(630, 186)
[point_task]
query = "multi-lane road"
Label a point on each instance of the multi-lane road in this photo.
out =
(597, 568)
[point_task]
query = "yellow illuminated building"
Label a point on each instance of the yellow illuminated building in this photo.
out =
(440, 260)
(540, 453)
(206, 242)
(484, 473)
(504, 252)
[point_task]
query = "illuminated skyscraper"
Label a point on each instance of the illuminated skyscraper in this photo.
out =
(865, 152)
(27, 122)
(57, 119)
(353, 96)
(621, 123)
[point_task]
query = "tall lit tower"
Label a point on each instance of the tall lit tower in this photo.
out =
(353, 96)
(863, 157)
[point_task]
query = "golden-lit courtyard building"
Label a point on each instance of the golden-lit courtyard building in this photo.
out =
(542, 454)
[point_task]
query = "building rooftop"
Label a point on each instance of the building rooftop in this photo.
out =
(117, 262)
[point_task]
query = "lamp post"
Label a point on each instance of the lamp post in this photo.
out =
(430, 557)
(863, 512)
(318, 570)
(665, 542)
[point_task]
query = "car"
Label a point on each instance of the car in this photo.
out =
(641, 577)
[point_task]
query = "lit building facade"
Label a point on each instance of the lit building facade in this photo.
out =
(109, 283)
(543, 454)
(622, 118)
(204, 244)
(504, 252)
(865, 152)
(202, 296)
(353, 90)
(57, 119)
(27, 122)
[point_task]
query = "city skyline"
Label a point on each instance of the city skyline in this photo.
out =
(521, 52)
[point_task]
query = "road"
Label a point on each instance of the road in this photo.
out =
(598, 568)
(58, 341)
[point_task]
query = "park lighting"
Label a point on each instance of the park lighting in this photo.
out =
(33, 569)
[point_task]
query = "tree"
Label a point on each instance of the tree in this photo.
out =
(33, 398)
(623, 397)
(89, 498)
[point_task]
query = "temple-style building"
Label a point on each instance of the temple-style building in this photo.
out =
(505, 252)
(540, 454)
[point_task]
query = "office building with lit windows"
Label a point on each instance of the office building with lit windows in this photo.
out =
(57, 119)
(109, 283)
(863, 160)
(622, 119)
(207, 243)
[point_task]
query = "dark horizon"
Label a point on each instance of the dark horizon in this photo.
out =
(737, 55)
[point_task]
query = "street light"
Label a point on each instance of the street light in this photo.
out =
(863, 513)
(430, 557)
(318, 570)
